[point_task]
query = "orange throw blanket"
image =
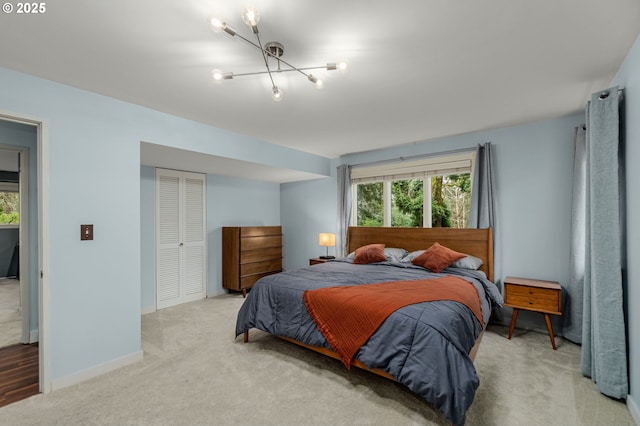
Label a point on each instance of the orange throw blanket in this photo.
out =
(347, 316)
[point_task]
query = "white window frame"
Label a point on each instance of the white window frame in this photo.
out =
(424, 168)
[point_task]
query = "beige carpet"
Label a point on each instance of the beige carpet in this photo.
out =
(10, 314)
(195, 373)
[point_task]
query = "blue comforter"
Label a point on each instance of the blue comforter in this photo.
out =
(423, 346)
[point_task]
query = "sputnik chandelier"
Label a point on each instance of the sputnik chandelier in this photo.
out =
(271, 51)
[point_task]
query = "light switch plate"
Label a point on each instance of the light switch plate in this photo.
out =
(86, 232)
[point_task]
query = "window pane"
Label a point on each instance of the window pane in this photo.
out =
(451, 200)
(9, 208)
(370, 209)
(407, 203)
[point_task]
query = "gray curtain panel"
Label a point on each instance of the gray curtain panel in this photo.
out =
(604, 352)
(483, 212)
(483, 196)
(574, 289)
(344, 208)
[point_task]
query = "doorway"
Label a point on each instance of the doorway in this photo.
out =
(22, 137)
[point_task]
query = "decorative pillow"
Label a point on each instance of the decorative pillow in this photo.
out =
(394, 254)
(468, 262)
(437, 257)
(369, 254)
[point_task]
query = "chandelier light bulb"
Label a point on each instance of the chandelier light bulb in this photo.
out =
(316, 81)
(216, 24)
(250, 16)
(276, 93)
(217, 75)
(342, 66)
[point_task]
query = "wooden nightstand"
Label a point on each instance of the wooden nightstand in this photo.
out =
(533, 295)
(316, 261)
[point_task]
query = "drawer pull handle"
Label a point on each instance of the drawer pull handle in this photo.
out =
(530, 291)
(531, 302)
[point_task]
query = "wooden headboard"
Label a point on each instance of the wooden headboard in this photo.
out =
(476, 242)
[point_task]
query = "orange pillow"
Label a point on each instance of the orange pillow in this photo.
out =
(437, 257)
(369, 254)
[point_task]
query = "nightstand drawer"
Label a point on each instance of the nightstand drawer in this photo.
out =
(536, 292)
(530, 302)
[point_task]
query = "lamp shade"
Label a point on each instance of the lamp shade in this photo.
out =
(327, 240)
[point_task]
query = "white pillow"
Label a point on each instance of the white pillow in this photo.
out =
(468, 262)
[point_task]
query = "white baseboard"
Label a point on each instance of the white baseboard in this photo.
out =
(634, 409)
(96, 371)
(33, 336)
(148, 310)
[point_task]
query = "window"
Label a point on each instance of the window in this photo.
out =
(9, 198)
(9, 208)
(394, 194)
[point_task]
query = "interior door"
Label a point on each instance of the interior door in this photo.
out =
(180, 237)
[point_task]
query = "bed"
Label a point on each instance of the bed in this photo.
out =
(429, 347)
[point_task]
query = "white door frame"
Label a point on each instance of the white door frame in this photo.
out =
(44, 296)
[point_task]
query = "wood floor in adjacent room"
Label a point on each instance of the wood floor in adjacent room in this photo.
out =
(18, 373)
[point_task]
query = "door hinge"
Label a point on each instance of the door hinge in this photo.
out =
(41, 274)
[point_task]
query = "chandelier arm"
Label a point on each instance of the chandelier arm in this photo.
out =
(266, 62)
(277, 71)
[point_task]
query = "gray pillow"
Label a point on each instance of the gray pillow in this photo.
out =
(409, 257)
(394, 254)
(468, 262)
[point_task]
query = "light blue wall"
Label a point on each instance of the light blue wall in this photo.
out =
(534, 177)
(628, 77)
(94, 178)
(22, 135)
(308, 208)
(230, 202)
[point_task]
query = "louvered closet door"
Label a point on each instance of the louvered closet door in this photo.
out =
(194, 234)
(180, 237)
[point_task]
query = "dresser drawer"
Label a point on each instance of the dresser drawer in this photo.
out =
(260, 267)
(257, 243)
(260, 231)
(269, 253)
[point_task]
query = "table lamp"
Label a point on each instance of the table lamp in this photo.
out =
(327, 240)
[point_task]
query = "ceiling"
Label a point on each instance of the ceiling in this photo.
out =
(419, 69)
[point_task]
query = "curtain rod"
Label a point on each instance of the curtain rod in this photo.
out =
(412, 157)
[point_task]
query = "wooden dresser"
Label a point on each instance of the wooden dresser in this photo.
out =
(248, 254)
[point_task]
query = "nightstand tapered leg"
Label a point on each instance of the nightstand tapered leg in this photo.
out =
(514, 317)
(547, 319)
